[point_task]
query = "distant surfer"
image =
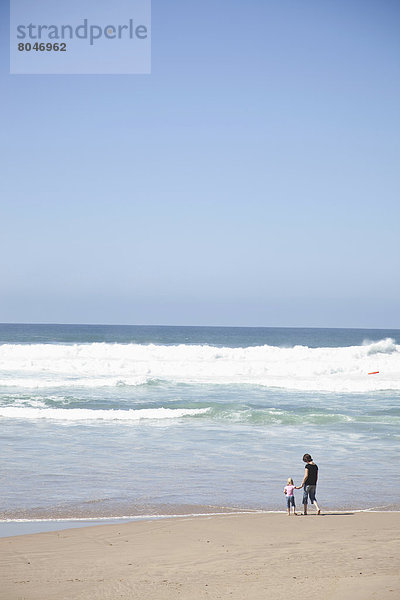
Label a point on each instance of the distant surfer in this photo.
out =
(309, 483)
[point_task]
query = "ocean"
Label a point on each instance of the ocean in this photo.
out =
(107, 422)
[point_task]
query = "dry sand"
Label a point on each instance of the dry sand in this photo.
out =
(238, 557)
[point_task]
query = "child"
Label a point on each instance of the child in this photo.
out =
(288, 491)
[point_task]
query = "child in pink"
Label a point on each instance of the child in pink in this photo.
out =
(288, 490)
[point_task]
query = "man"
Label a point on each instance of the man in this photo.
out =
(309, 483)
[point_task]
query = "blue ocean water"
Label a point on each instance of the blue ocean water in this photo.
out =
(112, 421)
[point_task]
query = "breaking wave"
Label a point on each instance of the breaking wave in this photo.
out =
(239, 414)
(341, 369)
(82, 414)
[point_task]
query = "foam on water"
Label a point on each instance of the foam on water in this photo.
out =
(80, 414)
(317, 412)
(339, 369)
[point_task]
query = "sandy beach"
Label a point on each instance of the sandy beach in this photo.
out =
(255, 556)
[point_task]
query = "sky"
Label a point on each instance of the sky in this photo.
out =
(252, 179)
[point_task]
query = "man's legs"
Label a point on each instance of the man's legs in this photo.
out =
(311, 491)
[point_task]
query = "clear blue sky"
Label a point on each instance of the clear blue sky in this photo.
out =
(251, 179)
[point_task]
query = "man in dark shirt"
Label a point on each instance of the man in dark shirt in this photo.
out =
(309, 483)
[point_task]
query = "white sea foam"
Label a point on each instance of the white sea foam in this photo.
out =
(343, 369)
(82, 414)
(155, 517)
(228, 512)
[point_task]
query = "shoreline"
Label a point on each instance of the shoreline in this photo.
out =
(42, 521)
(25, 526)
(234, 556)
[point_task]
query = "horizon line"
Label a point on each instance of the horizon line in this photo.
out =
(198, 326)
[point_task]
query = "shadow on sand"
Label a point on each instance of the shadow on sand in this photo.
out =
(335, 514)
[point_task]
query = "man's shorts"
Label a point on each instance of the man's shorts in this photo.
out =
(290, 501)
(309, 492)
